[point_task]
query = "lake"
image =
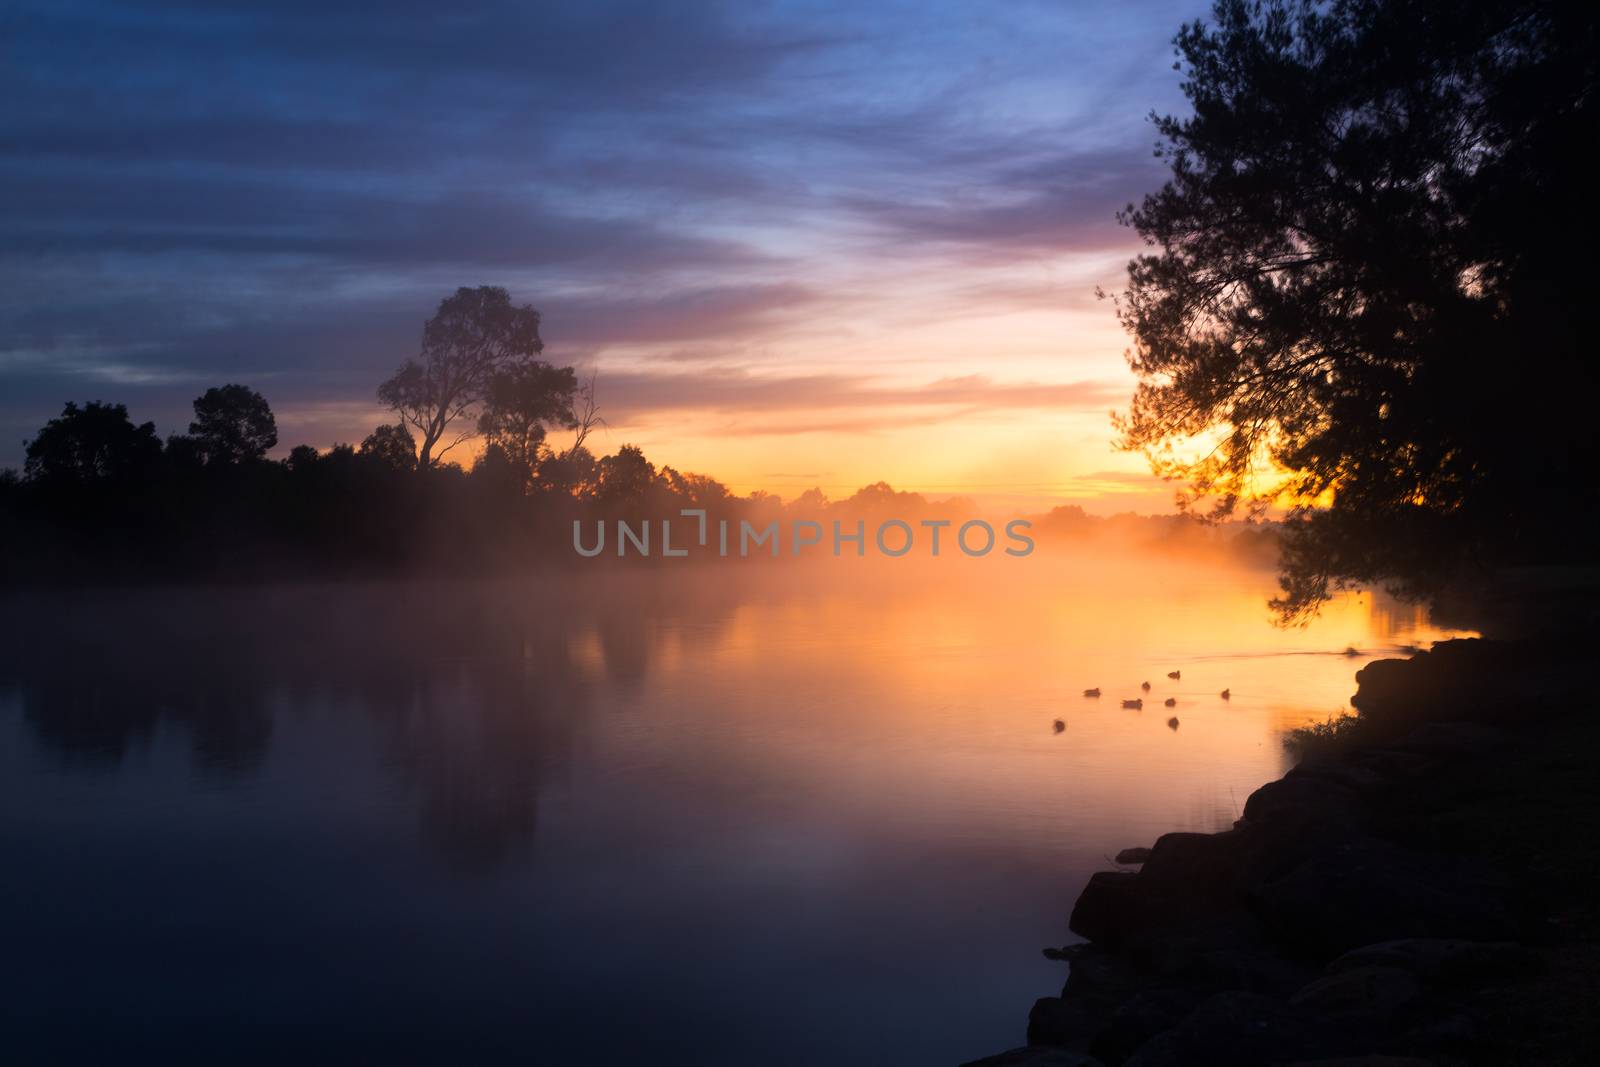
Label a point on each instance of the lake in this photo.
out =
(723, 814)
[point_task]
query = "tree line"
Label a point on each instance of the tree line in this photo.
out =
(100, 497)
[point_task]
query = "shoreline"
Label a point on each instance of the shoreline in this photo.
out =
(1414, 890)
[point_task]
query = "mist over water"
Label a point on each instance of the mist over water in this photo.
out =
(793, 813)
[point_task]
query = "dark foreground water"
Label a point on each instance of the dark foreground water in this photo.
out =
(801, 817)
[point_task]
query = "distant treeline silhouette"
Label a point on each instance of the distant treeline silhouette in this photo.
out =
(104, 499)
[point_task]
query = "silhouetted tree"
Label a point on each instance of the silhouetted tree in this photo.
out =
(232, 425)
(475, 335)
(96, 443)
(573, 472)
(302, 458)
(393, 446)
(1365, 287)
(625, 478)
(586, 416)
(522, 401)
(696, 490)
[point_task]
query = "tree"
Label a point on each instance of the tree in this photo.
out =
(522, 400)
(572, 473)
(232, 425)
(1362, 300)
(393, 446)
(586, 416)
(94, 444)
(626, 478)
(475, 335)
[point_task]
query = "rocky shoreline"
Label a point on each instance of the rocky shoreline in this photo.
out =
(1419, 897)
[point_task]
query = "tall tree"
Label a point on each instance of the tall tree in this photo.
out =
(626, 478)
(393, 446)
(522, 401)
(475, 335)
(94, 444)
(233, 424)
(1363, 295)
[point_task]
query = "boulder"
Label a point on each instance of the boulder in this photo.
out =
(1368, 994)
(1031, 1056)
(1452, 738)
(1113, 905)
(1061, 1023)
(1442, 961)
(1365, 891)
(1305, 797)
(1188, 872)
(1140, 1018)
(1245, 1030)
(1375, 1060)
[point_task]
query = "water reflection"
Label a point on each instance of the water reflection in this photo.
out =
(420, 816)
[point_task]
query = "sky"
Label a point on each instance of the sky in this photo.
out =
(797, 243)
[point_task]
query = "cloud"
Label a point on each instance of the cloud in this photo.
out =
(279, 192)
(629, 394)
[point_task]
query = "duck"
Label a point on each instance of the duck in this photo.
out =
(1172, 702)
(1227, 693)
(1174, 675)
(1172, 723)
(1092, 692)
(1059, 726)
(1137, 705)
(1145, 687)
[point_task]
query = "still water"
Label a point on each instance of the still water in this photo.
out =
(779, 815)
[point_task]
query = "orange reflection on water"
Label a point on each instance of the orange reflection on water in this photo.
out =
(898, 697)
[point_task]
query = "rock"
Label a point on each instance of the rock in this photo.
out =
(1190, 872)
(1370, 994)
(1248, 969)
(1101, 979)
(1443, 961)
(1244, 1030)
(1063, 1023)
(1349, 775)
(1454, 1036)
(1364, 891)
(1140, 1018)
(1374, 1060)
(1133, 855)
(1032, 1056)
(1111, 906)
(1452, 738)
(1392, 763)
(1296, 799)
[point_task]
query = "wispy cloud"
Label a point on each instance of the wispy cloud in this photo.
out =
(279, 192)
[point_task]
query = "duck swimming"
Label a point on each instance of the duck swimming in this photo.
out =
(1091, 692)
(1137, 705)
(1174, 675)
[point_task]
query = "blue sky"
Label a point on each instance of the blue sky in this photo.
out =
(828, 234)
